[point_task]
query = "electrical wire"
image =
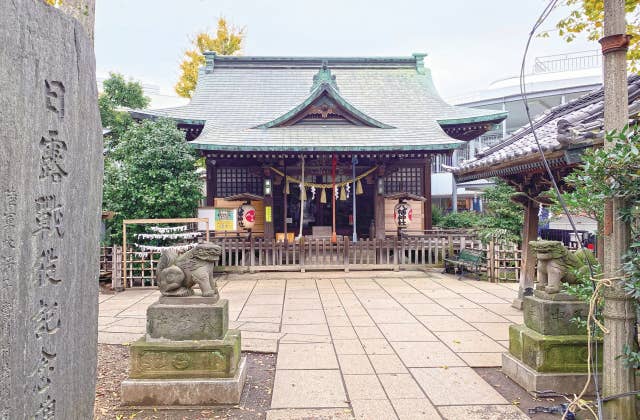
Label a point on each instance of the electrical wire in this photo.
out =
(523, 92)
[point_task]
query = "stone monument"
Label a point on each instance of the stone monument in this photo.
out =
(50, 195)
(549, 352)
(189, 356)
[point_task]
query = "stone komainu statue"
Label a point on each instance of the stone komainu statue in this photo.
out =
(177, 274)
(557, 265)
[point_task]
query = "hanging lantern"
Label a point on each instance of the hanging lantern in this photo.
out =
(402, 215)
(323, 196)
(359, 190)
(246, 216)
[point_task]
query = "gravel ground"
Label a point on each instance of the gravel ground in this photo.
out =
(113, 366)
(518, 396)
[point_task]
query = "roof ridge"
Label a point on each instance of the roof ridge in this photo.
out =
(558, 111)
(231, 61)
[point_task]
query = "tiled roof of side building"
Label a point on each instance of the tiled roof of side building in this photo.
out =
(239, 98)
(579, 123)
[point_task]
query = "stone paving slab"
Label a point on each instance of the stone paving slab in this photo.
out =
(456, 386)
(390, 345)
(306, 356)
(373, 409)
(414, 409)
(308, 388)
(310, 413)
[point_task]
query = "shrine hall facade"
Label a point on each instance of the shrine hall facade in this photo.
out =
(320, 144)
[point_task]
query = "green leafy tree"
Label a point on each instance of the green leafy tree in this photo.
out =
(502, 219)
(586, 17)
(119, 93)
(502, 211)
(151, 174)
(228, 41)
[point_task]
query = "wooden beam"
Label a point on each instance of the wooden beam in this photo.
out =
(426, 193)
(211, 183)
(378, 206)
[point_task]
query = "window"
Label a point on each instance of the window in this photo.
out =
(404, 180)
(231, 181)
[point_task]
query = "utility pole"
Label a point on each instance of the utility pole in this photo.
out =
(619, 312)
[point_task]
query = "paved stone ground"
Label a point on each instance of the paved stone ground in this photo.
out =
(390, 345)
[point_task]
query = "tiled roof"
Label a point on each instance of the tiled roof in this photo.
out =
(237, 95)
(579, 123)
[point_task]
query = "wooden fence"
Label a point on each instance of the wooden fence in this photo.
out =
(242, 254)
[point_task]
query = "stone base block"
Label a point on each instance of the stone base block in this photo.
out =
(517, 303)
(550, 353)
(187, 318)
(184, 392)
(532, 381)
(553, 317)
(186, 359)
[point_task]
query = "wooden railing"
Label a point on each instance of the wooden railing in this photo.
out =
(242, 254)
(111, 265)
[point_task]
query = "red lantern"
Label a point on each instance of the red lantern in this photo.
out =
(246, 216)
(402, 215)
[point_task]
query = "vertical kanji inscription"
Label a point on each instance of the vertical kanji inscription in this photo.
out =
(54, 93)
(53, 152)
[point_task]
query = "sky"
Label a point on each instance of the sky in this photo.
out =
(470, 43)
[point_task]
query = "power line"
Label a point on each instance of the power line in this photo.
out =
(523, 91)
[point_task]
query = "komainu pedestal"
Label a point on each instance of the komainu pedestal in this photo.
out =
(188, 357)
(549, 352)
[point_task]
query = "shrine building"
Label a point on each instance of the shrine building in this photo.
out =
(320, 145)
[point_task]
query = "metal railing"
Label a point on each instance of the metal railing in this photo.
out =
(567, 62)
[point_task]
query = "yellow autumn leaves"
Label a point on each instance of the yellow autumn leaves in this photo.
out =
(586, 17)
(228, 41)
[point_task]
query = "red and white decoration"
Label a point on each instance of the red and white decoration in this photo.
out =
(246, 216)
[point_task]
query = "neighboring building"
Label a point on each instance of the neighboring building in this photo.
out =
(555, 80)
(564, 132)
(257, 119)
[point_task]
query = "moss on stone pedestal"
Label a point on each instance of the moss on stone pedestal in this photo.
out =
(550, 353)
(554, 317)
(186, 359)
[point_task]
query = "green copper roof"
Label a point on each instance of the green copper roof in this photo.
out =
(324, 83)
(477, 119)
(393, 97)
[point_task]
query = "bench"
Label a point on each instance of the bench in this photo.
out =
(466, 259)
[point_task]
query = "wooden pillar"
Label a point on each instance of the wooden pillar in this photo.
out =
(211, 182)
(529, 233)
(285, 198)
(269, 232)
(378, 204)
(426, 193)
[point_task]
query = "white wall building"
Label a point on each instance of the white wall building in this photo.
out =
(554, 80)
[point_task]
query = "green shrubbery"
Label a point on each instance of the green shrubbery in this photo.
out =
(502, 219)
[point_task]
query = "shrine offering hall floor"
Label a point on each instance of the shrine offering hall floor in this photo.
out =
(369, 345)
